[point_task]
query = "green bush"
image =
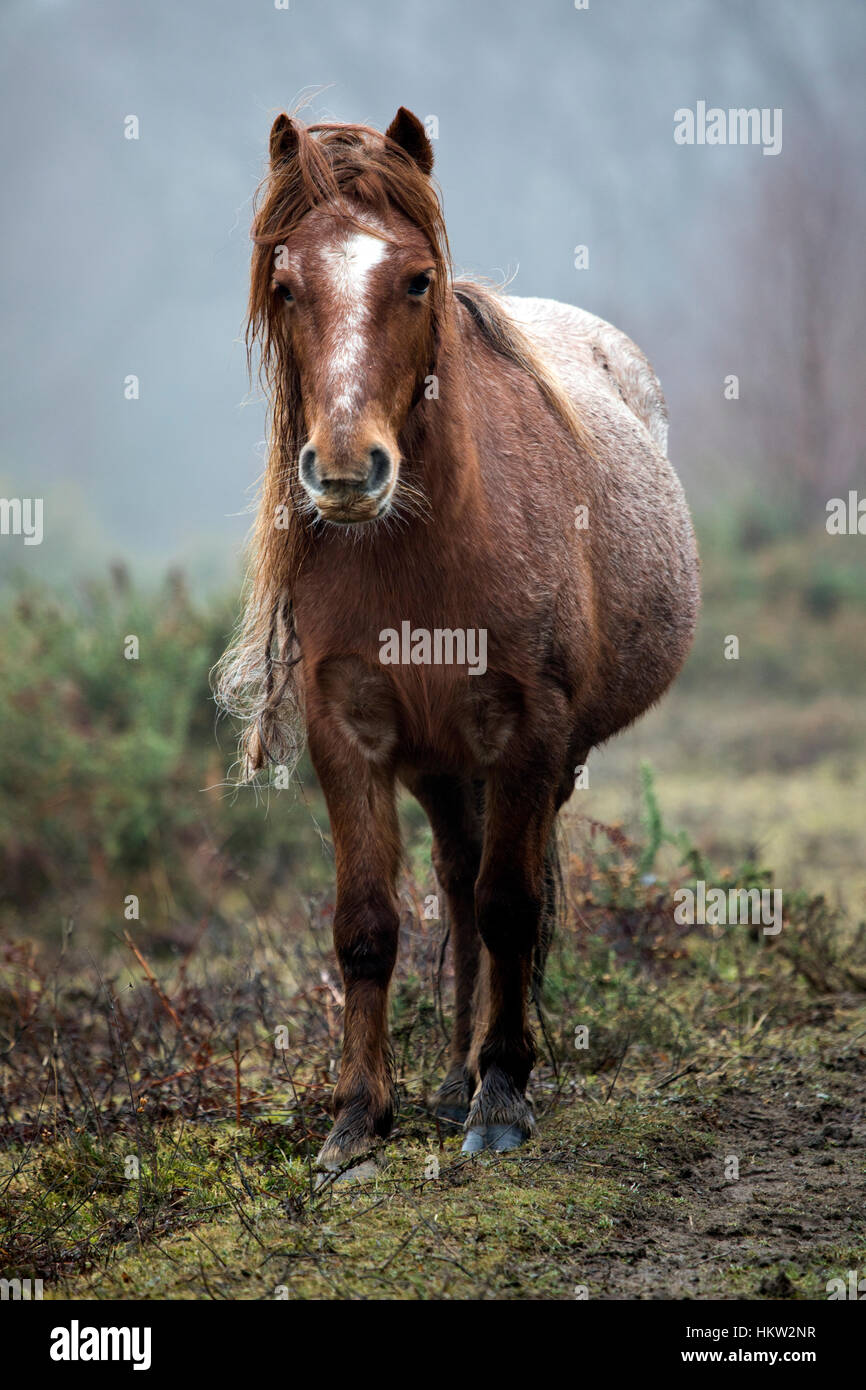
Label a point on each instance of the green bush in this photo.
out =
(112, 781)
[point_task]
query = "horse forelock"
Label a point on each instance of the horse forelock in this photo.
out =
(348, 171)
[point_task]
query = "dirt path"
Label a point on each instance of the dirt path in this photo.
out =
(792, 1218)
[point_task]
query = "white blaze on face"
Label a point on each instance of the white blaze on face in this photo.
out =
(349, 264)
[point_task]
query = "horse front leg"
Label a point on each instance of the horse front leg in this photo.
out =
(362, 808)
(510, 899)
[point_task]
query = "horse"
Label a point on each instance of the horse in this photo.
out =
(452, 470)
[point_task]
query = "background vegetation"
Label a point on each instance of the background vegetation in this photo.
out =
(165, 1076)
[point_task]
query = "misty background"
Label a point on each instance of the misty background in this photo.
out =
(555, 129)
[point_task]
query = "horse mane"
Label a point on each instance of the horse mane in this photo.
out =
(506, 337)
(334, 169)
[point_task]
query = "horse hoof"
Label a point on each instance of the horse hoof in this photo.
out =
(475, 1141)
(503, 1138)
(452, 1114)
(452, 1100)
(359, 1172)
(498, 1139)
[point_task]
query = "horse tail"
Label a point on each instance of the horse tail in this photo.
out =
(553, 902)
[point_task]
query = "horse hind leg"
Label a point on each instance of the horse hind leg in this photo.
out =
(454, 809)
(551, 908)
(515, 904)
(502, 1122)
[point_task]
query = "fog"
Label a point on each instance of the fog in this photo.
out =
(555, 129)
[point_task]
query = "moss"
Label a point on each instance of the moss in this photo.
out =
(223, 1213)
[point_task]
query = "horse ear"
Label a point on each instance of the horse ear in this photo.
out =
(408, 132)
(284, 139)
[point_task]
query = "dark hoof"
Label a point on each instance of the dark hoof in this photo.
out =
(498, 1139)
(454, 1115)
(356, 1136)
(454, 1097)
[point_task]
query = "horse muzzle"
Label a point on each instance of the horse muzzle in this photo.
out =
(348, 493)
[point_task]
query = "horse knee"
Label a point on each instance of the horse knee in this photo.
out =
(508, 913)
(366, 931)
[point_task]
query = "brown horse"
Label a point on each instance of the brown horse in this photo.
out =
(473, 563)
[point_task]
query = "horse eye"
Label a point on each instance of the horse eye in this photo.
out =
(419, 284)
(285, 293)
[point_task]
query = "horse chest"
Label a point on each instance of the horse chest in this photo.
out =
(424, 716)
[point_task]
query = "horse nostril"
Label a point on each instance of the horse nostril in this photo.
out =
(344, 484)
(307, 468)
(380, 469)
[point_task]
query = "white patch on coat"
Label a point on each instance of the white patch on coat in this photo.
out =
(349, 265)
(577, 344)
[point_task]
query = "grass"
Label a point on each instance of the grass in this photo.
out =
(159, 1144)
(433, 1225)
(166, 1077)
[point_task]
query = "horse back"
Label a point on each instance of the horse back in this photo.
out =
(585, 349)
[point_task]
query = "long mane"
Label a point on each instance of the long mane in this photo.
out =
(336, 169)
